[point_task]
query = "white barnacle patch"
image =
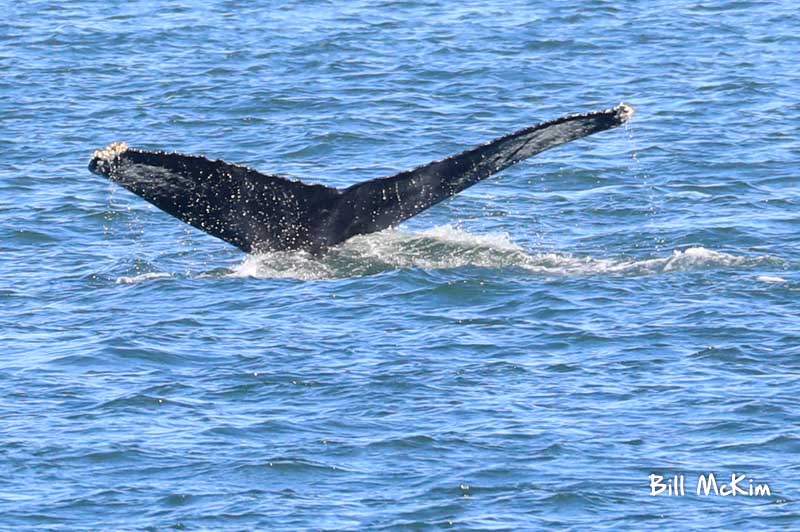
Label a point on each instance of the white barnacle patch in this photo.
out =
(104, 161)
(110, 152)
(624, 112)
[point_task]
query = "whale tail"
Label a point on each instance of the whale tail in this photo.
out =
(259, 212)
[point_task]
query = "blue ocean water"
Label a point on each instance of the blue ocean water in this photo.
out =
(523, 356)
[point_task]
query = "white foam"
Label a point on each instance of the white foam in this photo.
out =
(770, 279)
(448, 247)
(283, 265)
(142, 277)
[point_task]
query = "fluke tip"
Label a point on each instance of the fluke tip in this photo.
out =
(624, 112)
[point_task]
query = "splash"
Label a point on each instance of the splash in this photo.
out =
(447, 247)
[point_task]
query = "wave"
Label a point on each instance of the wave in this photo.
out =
(448, 247)
(142, 277)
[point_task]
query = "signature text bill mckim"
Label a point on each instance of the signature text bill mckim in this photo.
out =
(708, 485)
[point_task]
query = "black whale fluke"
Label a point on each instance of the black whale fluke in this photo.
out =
(261, 212)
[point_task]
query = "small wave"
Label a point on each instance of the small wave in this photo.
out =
(770, 279)
(141, 277)
(447, 247)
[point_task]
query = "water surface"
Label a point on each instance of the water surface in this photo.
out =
(523, 356)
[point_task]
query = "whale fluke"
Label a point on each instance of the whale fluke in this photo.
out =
(260, 212)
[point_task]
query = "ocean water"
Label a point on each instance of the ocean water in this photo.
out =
(523, 356)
